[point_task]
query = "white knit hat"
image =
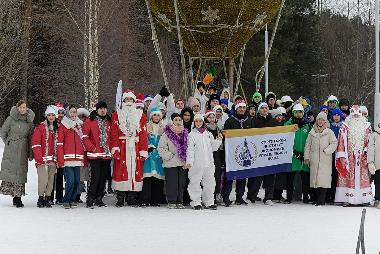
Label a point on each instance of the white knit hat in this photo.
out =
(51, 109)
(263, 104)
(217, 107)
(286, 98)
(198, 116)
(298, 107)
(322, 115)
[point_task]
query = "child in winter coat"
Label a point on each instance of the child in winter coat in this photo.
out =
(373, 158)
(321, 143)
(201, 166)
(44, 146)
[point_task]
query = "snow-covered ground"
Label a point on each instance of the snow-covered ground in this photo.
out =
(295, 228)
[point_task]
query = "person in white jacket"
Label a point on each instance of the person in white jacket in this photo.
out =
(200, 162)
(167, 110)
(373, 158)
(221, 117)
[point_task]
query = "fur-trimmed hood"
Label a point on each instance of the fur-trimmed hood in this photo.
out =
(28, 117)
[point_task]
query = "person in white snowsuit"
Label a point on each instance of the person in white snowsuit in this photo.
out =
(200, 162)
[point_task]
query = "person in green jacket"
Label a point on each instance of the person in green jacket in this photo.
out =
(298, 165)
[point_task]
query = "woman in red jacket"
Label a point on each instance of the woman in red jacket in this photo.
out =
(70, 154)
(44, 145)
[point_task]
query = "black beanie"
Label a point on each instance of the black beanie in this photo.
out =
(101, 104)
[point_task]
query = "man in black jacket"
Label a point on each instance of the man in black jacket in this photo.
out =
(239, 120)
(263, 119)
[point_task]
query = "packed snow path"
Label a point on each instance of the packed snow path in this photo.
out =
(295, 228)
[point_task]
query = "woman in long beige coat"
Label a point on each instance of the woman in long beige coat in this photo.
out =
(320, 146)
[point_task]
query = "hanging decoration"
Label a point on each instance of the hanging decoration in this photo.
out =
(215, 29)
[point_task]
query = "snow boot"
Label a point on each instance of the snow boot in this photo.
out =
(19, 203)
(41, 202)
(197, 207)
(240, 202)
(212, 207)
(132, 201)
(90, 203)
(120, 199)
(109, 188)
(47, 202)
(99, 202)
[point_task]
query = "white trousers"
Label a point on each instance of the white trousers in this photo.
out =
(201, 176)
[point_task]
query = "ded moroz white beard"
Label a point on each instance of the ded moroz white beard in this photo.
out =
(129, 118)
(358, 127)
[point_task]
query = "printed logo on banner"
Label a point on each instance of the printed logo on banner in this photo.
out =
(246, 154)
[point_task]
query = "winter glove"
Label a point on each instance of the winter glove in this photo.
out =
(164, 92)
(298, 155)
(372, 168)
(341, 166)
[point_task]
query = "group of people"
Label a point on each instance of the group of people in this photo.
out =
(165, 150)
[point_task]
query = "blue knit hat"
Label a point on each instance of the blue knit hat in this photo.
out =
(337, 111)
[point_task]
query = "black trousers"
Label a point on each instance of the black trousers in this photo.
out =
(376, 179)
(58, 185)
(330, 196)
(186, 196)
(218, 171)
(305, 177)
(98, 175)
(152, 191)
(175, 180)
(320, 195)
(227, 188)
(254, 184)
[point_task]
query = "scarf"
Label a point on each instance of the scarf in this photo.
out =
(201, 130)
(76, 125)
(103, 134)
(320, 129)
(48, 129)
(179, 140)
(241, 119)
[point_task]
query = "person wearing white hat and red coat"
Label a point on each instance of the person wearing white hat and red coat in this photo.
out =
(97, 141)
(129, 147)
(44, 146)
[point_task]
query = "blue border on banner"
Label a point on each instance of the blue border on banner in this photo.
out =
(252, 172)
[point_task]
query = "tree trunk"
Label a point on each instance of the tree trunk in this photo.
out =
(25, 48)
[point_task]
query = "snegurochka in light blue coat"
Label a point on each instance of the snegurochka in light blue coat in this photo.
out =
(154, 175)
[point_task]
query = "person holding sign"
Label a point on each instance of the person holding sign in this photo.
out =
(239, 120)
(263, 119)
(200, 163)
